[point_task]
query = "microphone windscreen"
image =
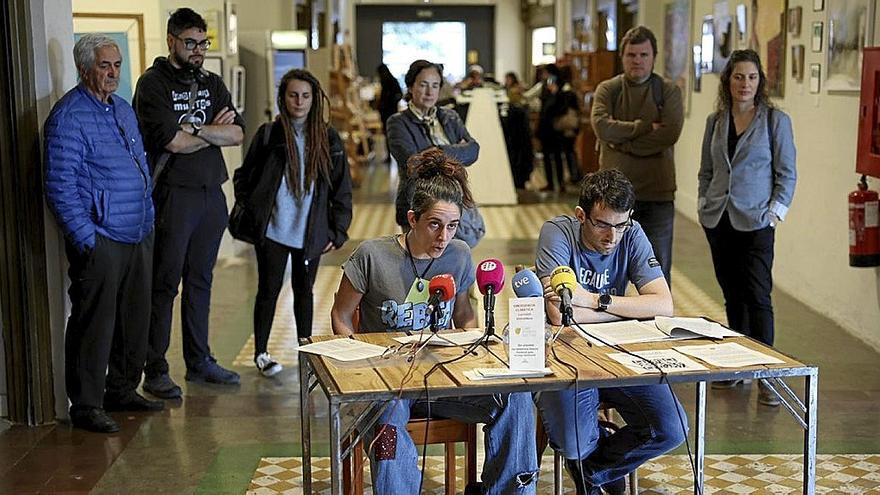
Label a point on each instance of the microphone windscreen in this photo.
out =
(444, 285)
(526, 284)
(562, 277)
(490, 272)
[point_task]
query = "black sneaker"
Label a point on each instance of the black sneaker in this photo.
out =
(616, 487)
(581, 485)
(162, 386)
(209, 371)
(133, 402)
(92, 419)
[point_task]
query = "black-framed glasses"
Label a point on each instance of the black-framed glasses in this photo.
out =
(191, 44)
(619, 227)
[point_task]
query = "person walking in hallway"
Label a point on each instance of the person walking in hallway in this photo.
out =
(638, 117)
(747, 179)
(186, 115)
(295, 188)
(98, 189)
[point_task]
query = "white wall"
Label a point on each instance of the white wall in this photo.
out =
(812, 244)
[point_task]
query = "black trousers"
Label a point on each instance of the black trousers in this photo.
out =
(106, 339)
(554, 148)
(744, 269)
(189, 226)
(271, 263)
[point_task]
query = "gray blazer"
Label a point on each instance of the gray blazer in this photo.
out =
(757, 181)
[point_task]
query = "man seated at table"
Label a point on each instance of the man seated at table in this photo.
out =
(606, 250)
(386, 281)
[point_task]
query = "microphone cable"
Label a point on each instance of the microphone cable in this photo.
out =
(663, 378)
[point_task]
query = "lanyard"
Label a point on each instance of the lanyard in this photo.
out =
(420, 284)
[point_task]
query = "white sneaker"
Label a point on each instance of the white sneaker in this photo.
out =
(266, 365)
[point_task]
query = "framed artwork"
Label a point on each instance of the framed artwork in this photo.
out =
(816, 40)
(707, 44)
(850, 27)
(795, 15)
(767, 37)
(724, 35)
(797, 63)
(815, 77)
(127, 30)
(818, 5)
(237, 90)
(698, 70)
(676, 40)
(741, 17)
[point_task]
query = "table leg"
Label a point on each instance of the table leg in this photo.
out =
(305, 376)
(811, 386)
(335, 449)
(700, 438)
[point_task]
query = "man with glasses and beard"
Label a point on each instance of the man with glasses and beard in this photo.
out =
(607, 250)
(186, 115)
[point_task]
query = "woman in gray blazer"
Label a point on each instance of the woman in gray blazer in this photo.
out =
(746, 184)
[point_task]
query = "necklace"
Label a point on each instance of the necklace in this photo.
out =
(420, 279)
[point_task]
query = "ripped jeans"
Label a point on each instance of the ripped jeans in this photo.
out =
(652, 427)
(511, 465)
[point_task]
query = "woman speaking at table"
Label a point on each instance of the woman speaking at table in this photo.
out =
(386, 281)
(746, 184)
(424, 125)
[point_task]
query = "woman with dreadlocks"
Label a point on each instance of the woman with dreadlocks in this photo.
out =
(295, 187)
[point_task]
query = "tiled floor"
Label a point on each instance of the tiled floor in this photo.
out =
(213, 441)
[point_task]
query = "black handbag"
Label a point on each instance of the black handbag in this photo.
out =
(242, 225)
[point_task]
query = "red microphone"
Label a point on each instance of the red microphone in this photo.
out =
(490, 281)
(442, 288)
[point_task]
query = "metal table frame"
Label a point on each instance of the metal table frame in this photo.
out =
(804, 412)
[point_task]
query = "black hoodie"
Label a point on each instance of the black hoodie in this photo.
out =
(161, 102)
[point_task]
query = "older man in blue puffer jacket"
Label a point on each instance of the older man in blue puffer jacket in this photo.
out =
(98, 188)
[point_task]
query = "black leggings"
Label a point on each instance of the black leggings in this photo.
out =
(271, 263)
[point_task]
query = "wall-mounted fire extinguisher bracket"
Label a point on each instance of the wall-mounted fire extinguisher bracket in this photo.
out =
(864, 227)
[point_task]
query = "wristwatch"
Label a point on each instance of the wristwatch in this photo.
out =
(196, 129)
(604, 302)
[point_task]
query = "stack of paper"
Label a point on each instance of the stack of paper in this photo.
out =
(730, 355)
(692, 328)
(621, 332)
(478, 374)
(668, 360)
(344, 349)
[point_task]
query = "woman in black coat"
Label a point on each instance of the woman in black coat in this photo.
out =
(295, 189)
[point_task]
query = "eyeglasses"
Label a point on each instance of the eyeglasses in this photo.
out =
(191, 44)
(619, 227)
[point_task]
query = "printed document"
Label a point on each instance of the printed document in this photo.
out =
(449, 339)
(621, 332)
(344, 349)
(647, 361)
(478, 374)
(692, 328)
(526, 333)
(729, 355)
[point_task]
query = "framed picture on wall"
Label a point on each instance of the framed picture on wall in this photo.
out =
(127, 30)
(818, 5)
(698, 70)
(707, 44)
(741, 17)
(816, 40)
(767, 37)
(676, 39)
(850, 27)
(797, 63)
(815, 77)
(794, 20)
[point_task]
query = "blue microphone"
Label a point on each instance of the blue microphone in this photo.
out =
(526, 284)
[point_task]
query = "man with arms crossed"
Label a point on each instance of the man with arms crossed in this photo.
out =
(607, 250)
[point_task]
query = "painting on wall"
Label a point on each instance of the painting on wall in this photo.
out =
(850, 26)
(768, 39)
(698, 71)
(794, 20)
(676, 41)
(127, 30)
(797, 63)
(815, 77)
(816, 37)
(741, 26)
(724, 35)
(707, 44)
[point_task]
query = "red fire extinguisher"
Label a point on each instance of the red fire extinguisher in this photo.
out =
(864, 228)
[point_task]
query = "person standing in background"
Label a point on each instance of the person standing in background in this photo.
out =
(746, 184)
(295, 187)
(389, 99)
(637, 117)
(186, 115)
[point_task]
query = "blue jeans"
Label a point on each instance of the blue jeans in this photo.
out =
(652, 427)
(511, 465)
(657, 219)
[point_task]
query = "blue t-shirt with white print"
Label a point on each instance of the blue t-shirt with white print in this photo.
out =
(632, 260)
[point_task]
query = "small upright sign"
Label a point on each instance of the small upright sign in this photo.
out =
(526, 333)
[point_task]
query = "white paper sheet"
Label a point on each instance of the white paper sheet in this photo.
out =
(526, 333)
(667, 359)
(478, 374)
(621, 332)
(728, 355)
(692, 328)
(450, 339)
(344, 349)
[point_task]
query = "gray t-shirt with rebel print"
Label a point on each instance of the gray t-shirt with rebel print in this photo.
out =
(393, 299)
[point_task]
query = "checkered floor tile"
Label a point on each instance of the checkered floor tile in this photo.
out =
(667, 475)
